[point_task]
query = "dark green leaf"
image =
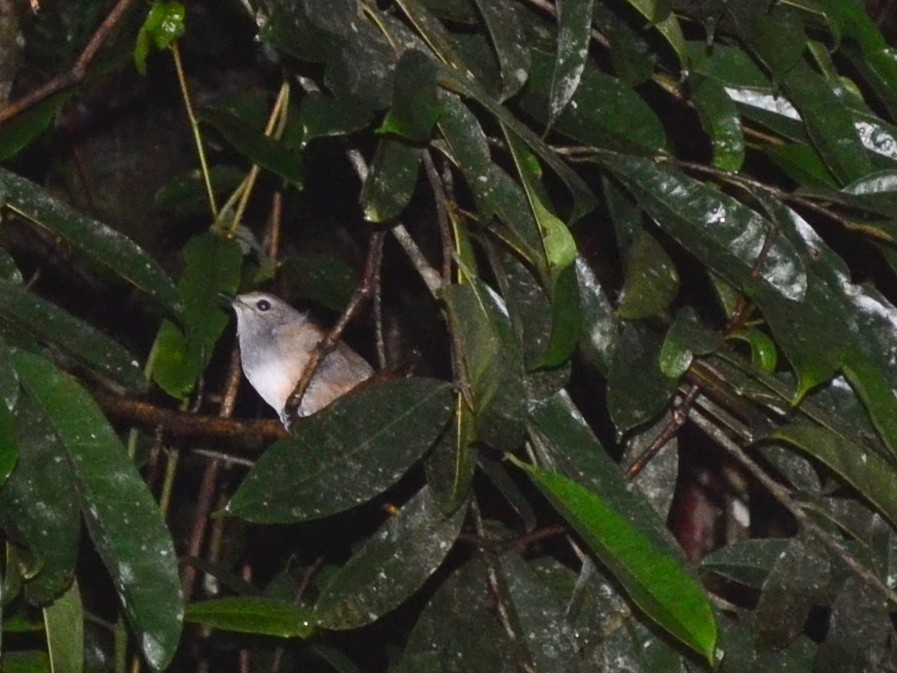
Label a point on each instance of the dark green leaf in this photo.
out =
(574, 34)
(38, 506)
(185, 195)
(599, 325)
(260, 149)
(637, 389)
(748, 562)
(830, 126)
(468, 148)
(391, 566)
(583, 198)
(321, 115)
(859, 632)
(508, 40)
(651, 282)
(457, 631)
(74, 338)
(322, 277)
(94, 239)
(542, 612)
(797, 580)
(565, 443)
(415, 106)
(492, 362)
(390, 184)
(121, 514)
(720, 120)
(603, 112)
(686, 338)
(339, 458)
(9, 444)
(18, 132)
(657, 583)
(451, 465)
(723, 233)
(256, 615)
(667, 24)
(28, 661)
(874, 477)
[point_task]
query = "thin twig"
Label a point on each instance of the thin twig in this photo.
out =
(783, 496)
(493, 575)
(77, 72)
(442, 218)
(670, 430)
(362, 293)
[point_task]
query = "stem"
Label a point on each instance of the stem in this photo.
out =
(194, 125)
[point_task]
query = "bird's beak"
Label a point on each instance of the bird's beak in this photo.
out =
(227, 300)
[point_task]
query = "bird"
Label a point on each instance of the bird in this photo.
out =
(276, 342)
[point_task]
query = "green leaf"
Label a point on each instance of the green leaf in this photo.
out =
(651, 282)
(720, 120)
(763, 350)
(599, 325)
(468, 149)
(492, 362)
(9, 444)
(391, 182)
(574, 35)
(38, 507)
(213, 266)
(19, 131)
(603, 112)
(64, 622)
(256, 615)
(873, 476)
(270, 154)
(829, 124)
(94, 239)
(391, 566)
(746, 561)
(508, 39)
(338, 459)
(724, 234)
(583, 198)
(121, 514)
(687, 337)
(72, 337)
(163, 25)
(321, 116)
(457, 631)
(27, 661)
(557, 241)
(415, 106)
(655, 582)
(668, 26)
(637, 389)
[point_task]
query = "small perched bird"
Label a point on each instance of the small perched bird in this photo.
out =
(276, 342)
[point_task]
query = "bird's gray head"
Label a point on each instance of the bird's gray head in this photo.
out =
(259, 314)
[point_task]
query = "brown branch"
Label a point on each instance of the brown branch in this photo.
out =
(362, 293)
(77, 72)
(182, 425)
(670, 430)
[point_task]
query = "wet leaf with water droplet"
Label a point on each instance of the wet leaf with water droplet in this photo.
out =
(391, 565)
(347, 454)
(121, 514)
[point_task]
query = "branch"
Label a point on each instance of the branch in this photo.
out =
(184, 425)
(77, 72)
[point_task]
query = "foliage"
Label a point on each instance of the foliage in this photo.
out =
(623, 228)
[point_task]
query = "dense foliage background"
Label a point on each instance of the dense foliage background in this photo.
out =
(628, 267)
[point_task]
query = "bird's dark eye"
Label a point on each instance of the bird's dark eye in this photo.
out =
(263, 304)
